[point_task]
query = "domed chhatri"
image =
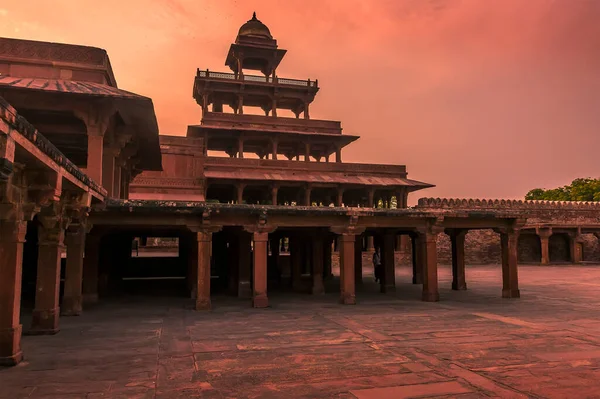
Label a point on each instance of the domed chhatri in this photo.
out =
(255, 28)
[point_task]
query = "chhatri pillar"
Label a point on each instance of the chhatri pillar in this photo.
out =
(544, 234)
(50, 247)
(457, 239)
(12, 239)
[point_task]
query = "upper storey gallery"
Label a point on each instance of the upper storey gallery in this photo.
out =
(254, 49)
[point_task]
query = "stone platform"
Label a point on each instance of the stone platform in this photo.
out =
(472, 344)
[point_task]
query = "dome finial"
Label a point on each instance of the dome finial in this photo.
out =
(254, 15)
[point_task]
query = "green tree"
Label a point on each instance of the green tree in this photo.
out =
(582, 189)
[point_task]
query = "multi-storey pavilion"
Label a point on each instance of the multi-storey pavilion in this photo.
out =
(266, 159)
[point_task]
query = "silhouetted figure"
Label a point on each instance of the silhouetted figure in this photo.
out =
(377, 265)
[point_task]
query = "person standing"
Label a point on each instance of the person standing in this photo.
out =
(377, 265)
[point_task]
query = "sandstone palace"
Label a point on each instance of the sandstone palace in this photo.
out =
(256, 203)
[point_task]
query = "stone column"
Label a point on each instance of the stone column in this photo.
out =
(388, 283)
(244, 271)
(274, 192)
(340, 197)
(307, 152)
(306, 114)
(12, 238)
(90, 269)
(544, 235)
(457, 239)
(274, 147)
(241, 147)
(203, 243)
(50, 247)
(430, 275)
(239, 193)
(418, 249)
(348, 293)
(108, 170)
(260, 299)
(95, 154)
(317, 271)
(510, 278)
(72, 297)
(358, 266)
(327, 249)
(307, 192)
(338, 155)
(296, 262)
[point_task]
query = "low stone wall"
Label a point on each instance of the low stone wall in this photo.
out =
(482, 247)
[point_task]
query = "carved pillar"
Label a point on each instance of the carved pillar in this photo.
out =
(95, 155)
(457, 239)
(348, 293)
(340, 197)
(510, 278)
(274, 107)
(260, 299)
(317, 270)
(307, 192)
(245, 260)
(307, 152)
(430, 275)
(12, 238)
(544, 235)
(202, 282)
(108, 170)
(274, 148)
(388, 283)
(72, 297)
(240, 147)
(91, 261)
(338, 155)
(306, 113)
(274, 191)
(50, 247)
(241, 100)
(358, 266)
(239, 193)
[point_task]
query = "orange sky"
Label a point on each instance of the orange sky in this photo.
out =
(482, 98)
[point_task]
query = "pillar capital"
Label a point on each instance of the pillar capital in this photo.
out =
(543, 232)
(456, 232)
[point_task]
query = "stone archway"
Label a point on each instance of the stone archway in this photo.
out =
(529, 248)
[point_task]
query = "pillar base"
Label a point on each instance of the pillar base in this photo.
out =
(44, 322)
(71, 306)
(90, 299)
(459, 286)
(511, 294)
(260, 301)
(318, 289)
(10, 346)
(244, 289)
(203, 304)
(388, 288)
(430, 297)
(348, 299)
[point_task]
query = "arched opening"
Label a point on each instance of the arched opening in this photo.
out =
(559, 248)
(529, 248)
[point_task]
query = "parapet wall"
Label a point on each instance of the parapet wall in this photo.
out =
(504, 204)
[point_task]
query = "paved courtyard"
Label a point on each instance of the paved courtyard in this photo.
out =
(472, 344)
